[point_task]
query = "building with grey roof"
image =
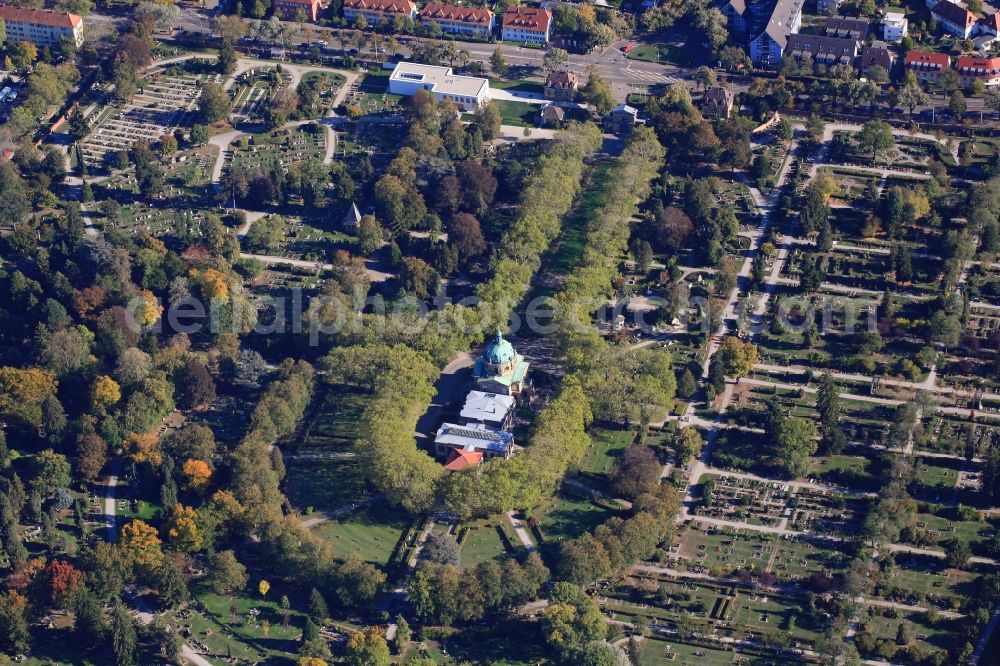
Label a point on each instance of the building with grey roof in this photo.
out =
(769, 30)
(822, 49)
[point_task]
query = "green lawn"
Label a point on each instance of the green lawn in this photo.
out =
(371, 534)
(567, 518)
(605, 449)
(521, 84)
(662, 53)
(481, 544)
(520, 114)
(656, 652)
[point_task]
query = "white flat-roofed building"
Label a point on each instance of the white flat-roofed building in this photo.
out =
(894, 26)
(466, 92)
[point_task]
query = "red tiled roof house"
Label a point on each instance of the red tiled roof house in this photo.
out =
(986, 70)
(925, 65)
(379, 11)
(472, 21)
(526, 24)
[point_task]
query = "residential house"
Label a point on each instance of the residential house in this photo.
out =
(621, 120)
(526, 24)
(971, 69)
(479, 439)
(768, 46)
(379, 11)
(894, 26)
(500, 369)
(551, 116)
(954, 19)
(822, 49)
(846, 28)
(876, 55)
(493, 410)
(466, 92)
(717, 103)
(41, 27)
(469, 21)
(288, 9)
(926, 66)
(561, 86)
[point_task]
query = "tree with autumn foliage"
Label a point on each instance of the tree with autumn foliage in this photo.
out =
(198, 474)
(183, 529)
(105, 392)
(368, 648)
(22, 392)
(146, 308)
(63, 580)
(144, 448)
(91, 455)
(141, 543)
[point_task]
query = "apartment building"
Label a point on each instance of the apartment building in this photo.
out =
(470, 21)
(287, 9)
(378, 11)
(41, 27)
(926, 66)
(526, 24)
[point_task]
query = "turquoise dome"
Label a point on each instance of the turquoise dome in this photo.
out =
(499, 351)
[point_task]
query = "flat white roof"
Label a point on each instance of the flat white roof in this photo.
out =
(441, 79)
(482, 406)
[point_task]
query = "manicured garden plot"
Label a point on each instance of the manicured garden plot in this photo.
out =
(371, 533)
(726, 549)
(797, 558)
(657, 652)
(918, 579)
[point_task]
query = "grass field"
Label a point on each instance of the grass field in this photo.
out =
(371, 534)
(522, 84)
(520, 114)
(656, 652)
(662, 53)
(606, 448)
(481, 544)
(569, 517)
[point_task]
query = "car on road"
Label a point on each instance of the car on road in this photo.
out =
(628, 47)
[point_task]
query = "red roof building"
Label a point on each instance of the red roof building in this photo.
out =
(925, 65)
(40, 26)
(460, 459)
(379, 11)
(475, 21)
(526, 24)
(986, 70)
